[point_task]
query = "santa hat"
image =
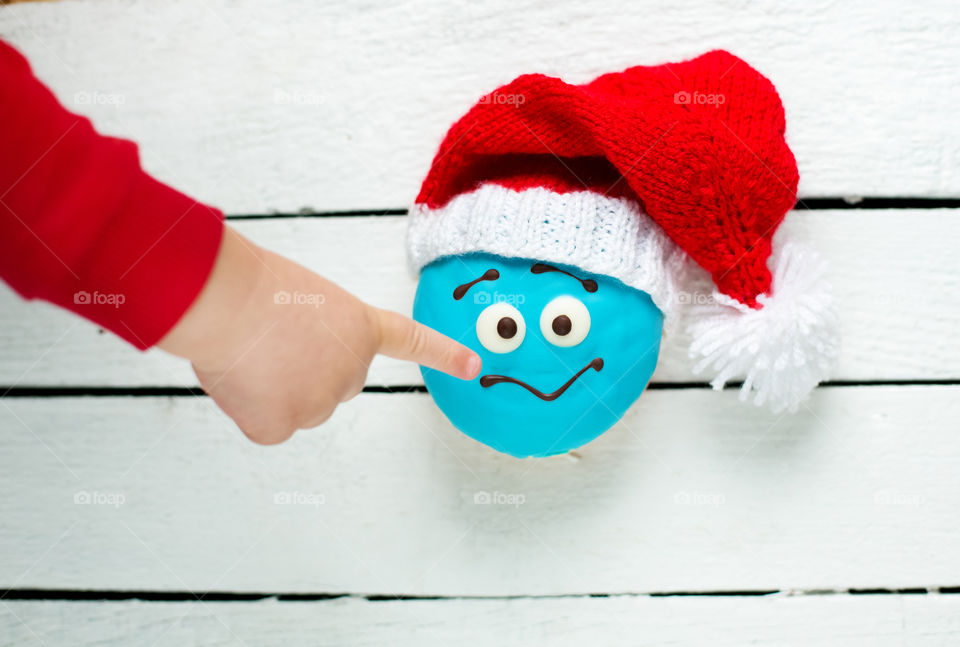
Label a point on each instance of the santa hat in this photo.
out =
(641, 175)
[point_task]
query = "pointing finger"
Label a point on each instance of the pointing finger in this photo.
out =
(404, 338)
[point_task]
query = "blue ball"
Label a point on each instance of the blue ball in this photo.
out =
(565, 353)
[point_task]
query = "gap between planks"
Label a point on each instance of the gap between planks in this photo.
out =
(803, 204)
(187, 391)
(226, 596)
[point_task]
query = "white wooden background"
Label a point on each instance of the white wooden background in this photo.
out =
(318, 111)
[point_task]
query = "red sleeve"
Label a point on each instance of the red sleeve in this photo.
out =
(84, 227)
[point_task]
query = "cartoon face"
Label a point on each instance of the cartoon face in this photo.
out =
(564, 353)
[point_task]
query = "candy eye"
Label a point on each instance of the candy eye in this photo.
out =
(500, 328)
(565, 321)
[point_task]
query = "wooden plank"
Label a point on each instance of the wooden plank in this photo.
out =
(781, 621)
(690, 492)
(895, 309)
(322, 106)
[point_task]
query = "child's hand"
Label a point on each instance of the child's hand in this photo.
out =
(278, 347)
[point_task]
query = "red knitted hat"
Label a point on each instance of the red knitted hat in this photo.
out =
(631, 175)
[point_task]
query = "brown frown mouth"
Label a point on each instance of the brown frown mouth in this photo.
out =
(489, 380)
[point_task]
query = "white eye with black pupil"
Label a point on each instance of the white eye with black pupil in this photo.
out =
(500, 328)
(565, 321)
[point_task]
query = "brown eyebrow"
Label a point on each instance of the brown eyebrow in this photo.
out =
(460, 290)
(588, 284)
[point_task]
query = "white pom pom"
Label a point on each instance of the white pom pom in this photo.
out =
(782, 350)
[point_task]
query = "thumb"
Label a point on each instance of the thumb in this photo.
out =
(404, 338)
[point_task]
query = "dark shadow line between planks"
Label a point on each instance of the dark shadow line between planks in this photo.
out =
(188, 391)
(805, 204)
(307, 213)
(225, 596)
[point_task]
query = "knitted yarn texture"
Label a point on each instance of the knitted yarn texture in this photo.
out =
(635, 175)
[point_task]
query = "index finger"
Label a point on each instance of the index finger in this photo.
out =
(403, 338)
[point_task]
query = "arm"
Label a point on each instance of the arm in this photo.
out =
(84, 227)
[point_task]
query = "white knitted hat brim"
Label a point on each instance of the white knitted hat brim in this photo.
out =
(585, 229)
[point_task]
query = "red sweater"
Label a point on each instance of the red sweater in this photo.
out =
(84, 227)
